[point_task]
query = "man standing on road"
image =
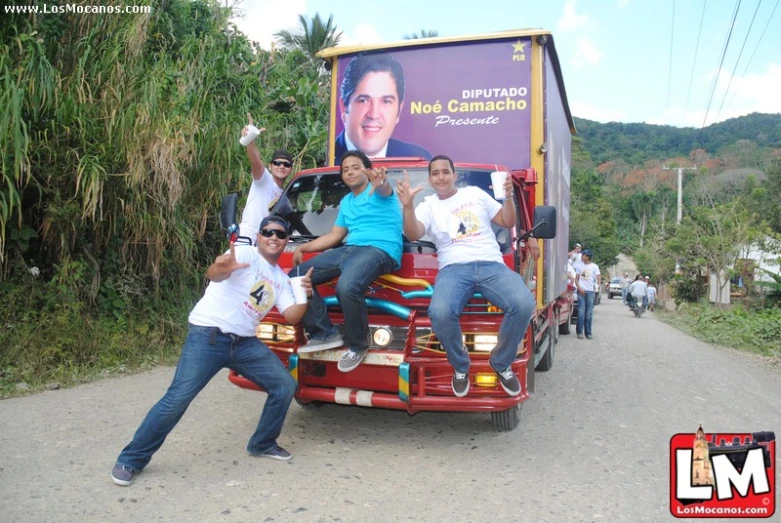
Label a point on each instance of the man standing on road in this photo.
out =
(266, 188)
(625, 281)
(651, 293)
(246, 283)
(369, 221)
(589, 278)
(458, 220)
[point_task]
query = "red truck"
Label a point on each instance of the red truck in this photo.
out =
(492, 103)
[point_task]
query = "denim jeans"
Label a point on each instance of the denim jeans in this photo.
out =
(203, 356)
(356, 267)
(455, 286)
(585, 312)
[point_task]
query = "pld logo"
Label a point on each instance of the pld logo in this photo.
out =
(723, 475)
(519, 54)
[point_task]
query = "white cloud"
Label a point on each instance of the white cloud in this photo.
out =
(587, 53)
(599, 114)
(364, 34)
(753, 93)
(623, 3)
(260, 20)
(570, 20)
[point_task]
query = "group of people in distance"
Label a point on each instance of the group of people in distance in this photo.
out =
(246, 282)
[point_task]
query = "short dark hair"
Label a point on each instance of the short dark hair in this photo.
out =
(274, 218)
(441, 157)
(358, 154)
(371, 62)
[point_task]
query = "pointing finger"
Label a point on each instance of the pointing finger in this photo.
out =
(249, 118)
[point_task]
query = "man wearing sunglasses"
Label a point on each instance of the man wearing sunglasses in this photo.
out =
(246, 283)
(267, 186)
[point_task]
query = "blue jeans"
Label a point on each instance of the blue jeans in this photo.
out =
(204, 354)
(455, 286)
(356, 267)
(585, 312)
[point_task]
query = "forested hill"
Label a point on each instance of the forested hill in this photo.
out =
(636, 143)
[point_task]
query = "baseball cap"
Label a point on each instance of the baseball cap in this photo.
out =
(274, 218)
(588, 253)
(578, 245)
(647, 277)
(281, 154)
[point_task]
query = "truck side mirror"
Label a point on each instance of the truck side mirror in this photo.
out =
(544, 222)
(228, 214)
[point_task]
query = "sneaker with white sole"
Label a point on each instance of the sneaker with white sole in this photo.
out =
(276, 452)
(122, 475)
(509, 381)
(315, 345)
(351, 359)
(460, 384)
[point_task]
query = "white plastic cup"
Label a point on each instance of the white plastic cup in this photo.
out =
(299, 292)
(497, 181)
(252, 133)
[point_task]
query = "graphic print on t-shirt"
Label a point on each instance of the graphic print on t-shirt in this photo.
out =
(262, 296)
(464, 223)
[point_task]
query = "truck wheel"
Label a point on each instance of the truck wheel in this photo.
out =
(609, 296)
(546, 362)
(507, 419)
(553, 327)
(564, 327)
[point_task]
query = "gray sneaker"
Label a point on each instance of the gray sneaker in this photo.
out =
(315, 345)
(276, 452)
(460, 384)
(580, 336)
(122, 475)
(509, 381)
(351, 359)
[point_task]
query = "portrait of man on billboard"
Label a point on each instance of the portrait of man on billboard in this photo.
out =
(371, 99)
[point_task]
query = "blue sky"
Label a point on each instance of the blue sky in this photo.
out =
(615, 54)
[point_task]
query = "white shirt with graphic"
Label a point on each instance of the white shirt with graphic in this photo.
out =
(587, 274)
(263, 194)
(236, 305)
(460, 226)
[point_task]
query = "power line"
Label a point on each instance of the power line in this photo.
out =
(694, 63)
(670, 71)
(769, 18)
(718, 72)
(738, 60)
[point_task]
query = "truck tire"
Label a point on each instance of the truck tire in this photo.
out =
(564, 327)
(310, 404)
(546, 362)
(507, 419)
(609, 296)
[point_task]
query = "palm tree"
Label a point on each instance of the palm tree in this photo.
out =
(312, 36)
(424, 33)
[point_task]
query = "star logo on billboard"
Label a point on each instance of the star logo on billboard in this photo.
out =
(519, 49)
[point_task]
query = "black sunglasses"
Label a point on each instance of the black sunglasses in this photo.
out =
(268, 233)
(282, 164)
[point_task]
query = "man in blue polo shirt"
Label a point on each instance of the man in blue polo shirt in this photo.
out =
(370, 220)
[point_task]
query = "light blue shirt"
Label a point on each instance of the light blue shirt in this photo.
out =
(374, 221)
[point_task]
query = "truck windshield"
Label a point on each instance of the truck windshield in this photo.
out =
(311, 202)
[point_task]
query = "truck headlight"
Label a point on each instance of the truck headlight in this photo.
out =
(382, 337)
(485, 342)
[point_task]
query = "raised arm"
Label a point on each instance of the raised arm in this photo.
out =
(253, 153)
(224, 266)
(413, 228)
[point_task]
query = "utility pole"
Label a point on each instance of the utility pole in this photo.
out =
(680, 188)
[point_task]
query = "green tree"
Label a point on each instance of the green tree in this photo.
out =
(312, 36)
(424, 33)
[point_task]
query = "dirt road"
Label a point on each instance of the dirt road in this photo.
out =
(592, 446)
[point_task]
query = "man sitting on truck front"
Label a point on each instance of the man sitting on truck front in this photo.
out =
(458, 220)
(370, 220)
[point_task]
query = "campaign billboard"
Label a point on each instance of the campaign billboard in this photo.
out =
(469, 100)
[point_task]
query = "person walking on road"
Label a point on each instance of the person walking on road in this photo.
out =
(588, 279)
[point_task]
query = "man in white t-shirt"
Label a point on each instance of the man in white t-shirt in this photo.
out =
(638, 289)
(458, 221)
(246, 283)
(267, 186)
(575, 254)
(589, 278)
(650, 293)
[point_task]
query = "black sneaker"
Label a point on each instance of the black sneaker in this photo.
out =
(509, 381)
(276, 452)
(122, 475)
(460, 384)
